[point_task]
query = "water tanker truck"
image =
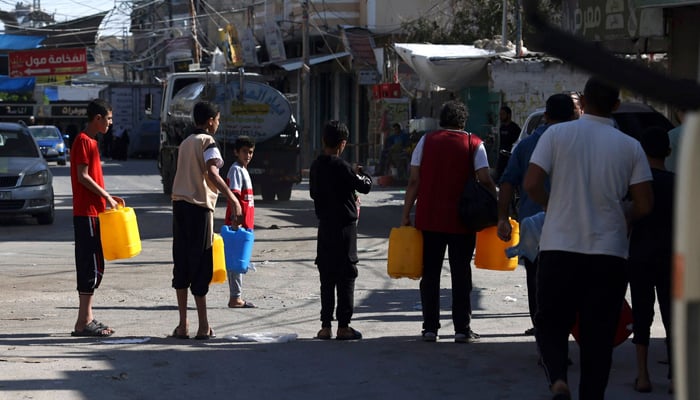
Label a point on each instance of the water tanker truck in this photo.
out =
(248, 106)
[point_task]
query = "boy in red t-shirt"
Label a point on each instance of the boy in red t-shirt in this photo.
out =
(240, 184)
(89, 199)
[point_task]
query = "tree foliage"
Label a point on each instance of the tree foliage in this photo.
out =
(466, 21)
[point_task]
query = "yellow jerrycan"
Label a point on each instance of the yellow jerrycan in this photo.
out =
(491, 251)
(217, 248)
(119, 232)
(405, 258)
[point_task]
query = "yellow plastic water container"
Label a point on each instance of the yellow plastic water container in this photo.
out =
(491, 251)
(217, 248)
(405, 258)
(119, 233)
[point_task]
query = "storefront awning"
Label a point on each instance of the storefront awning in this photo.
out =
(296, 63)
(452, 67)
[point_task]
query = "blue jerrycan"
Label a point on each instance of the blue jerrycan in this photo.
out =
(238, 247)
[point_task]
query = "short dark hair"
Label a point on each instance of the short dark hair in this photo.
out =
(204, 110)
(601, 94)
(334, 132)
(453, 114)
(655, 142)
(98, 107)
(507, 110)
(396, 125)
(244, 141)
(560, 107)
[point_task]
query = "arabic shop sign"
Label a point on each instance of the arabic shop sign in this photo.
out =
(12, 110)
(47, 62)
(69, 111)
(601, 20)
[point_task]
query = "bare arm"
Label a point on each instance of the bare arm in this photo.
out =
(86, 180)
(533, 184)
(505, 196)
(485, 180)
(642, 197)
(411, 195)
(213, 175)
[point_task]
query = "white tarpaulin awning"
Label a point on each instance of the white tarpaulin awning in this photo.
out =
(451, 66)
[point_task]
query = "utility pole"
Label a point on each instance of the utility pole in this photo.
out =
(193, 14)
(305, 72)
(504, 23)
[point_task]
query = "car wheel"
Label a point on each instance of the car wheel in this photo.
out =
(268, 192)
(284, 191)
(47, 217)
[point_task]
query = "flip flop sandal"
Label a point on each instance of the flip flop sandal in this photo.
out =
(211, 335)
(175, 335)
(94, 330)
(246, 304)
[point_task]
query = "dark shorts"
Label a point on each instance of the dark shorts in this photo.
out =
(193, 264)
(89, 261)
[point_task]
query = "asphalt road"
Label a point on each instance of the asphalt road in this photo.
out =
(38, 305)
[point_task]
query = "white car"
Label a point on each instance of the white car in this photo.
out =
(26, 182)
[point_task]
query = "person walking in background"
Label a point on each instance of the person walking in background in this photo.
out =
(674, 137)
(89, 199)
(332, 186)
(440, 166)
(508, 132)
(239, 182)
(583, 247)
(651, 251)
(559, 108)
(107, 143)
(196, 188)
(395, 144)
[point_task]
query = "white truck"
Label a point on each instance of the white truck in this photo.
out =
(248, 106)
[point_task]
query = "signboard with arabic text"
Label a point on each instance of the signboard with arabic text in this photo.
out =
(47, 62)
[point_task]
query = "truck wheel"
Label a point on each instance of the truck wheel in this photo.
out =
(268, 192)
(284, 191)
(168, 183)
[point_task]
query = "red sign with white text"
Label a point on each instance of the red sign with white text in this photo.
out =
(47, 62)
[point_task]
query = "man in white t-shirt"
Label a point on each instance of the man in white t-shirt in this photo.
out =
(592, 167)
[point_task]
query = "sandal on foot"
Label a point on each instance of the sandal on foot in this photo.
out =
(176, 335)
(324, 334)
(348, 334)
(93, 329)
(103, 326)
(208, 336)
(246, 304)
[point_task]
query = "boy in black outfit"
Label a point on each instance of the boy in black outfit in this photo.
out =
(651, 250)
(332, 185)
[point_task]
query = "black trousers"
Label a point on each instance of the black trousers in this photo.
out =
(336, 259)
(193, 263)
(644, 277)
(460, 248)
(531, 279)
(592, 286)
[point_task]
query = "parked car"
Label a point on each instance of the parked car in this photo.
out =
(631, 118)
(51, 142)
(26, 182)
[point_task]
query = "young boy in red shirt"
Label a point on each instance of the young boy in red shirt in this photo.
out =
(89, 199)
(240, 184)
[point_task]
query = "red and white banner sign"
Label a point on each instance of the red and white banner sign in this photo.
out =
(47, 62)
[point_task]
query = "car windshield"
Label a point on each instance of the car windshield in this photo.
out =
(17, 144)
(44, 133)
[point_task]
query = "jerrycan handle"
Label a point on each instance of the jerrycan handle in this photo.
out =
(120, 202)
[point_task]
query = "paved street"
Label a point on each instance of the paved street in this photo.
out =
(38, 304)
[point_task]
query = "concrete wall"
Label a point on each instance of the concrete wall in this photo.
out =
(526, 85)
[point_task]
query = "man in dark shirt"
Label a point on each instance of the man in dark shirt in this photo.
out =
(508, 133)
(332, 185)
